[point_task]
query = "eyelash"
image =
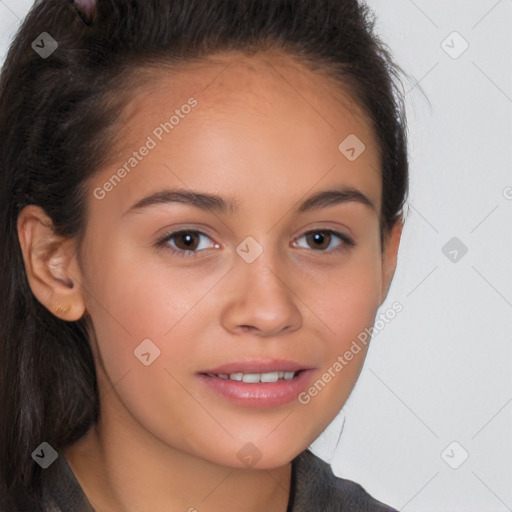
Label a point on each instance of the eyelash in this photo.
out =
(163, 242)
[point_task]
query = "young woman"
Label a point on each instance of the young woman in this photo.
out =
(200, 213)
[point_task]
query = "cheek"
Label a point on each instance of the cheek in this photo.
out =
(135, 301)
(350, 310)
(140, 309)
(347, 297)
(346, 302)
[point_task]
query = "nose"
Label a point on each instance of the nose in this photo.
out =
(260, 299)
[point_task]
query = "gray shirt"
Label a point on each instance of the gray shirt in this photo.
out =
(314, 488)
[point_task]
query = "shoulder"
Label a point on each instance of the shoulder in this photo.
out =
(60, 492)
(316, 487)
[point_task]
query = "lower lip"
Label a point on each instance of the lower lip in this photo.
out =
(262, 394)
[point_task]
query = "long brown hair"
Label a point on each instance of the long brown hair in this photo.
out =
(58, 114)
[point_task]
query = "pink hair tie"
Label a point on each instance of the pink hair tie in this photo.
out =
(86, 9)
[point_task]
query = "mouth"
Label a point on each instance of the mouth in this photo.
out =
(254, 378)
(258, 383)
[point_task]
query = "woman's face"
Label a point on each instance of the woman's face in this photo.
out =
(272, 279)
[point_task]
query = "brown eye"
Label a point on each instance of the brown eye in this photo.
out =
(184, 243)
(320, 240)
(186, 240)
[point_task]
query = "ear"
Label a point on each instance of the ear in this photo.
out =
(51, 265)
(391, 244)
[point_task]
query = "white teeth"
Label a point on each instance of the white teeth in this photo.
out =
(269, 377)
(251, 377)
(258, 377)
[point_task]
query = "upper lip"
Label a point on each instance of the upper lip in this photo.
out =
(259, 366)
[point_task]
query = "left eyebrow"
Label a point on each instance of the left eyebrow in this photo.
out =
(214, 203)
(333, 197)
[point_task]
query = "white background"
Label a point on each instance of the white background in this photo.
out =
(440, 372)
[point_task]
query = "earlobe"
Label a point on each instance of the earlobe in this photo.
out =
(51, 265)
(389, 256)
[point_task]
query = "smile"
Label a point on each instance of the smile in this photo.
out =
(267, 389)
(256, 377)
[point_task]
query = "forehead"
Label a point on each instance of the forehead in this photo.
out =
(268, 116)
(233, 80)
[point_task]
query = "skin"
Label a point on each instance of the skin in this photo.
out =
(164, 441)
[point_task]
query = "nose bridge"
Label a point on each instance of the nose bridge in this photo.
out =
(264, 273)
(262, 297)
(260, 271)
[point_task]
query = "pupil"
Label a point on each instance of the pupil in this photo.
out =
(187, 239)
(319, 238)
